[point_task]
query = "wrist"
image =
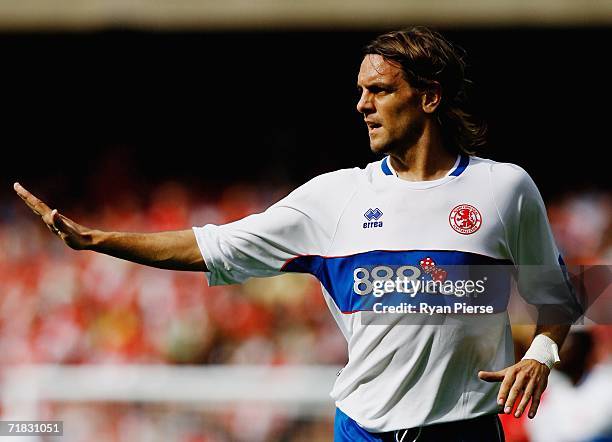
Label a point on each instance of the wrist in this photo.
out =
(544, 350)
(95, 240)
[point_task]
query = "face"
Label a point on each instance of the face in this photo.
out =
(390, 107)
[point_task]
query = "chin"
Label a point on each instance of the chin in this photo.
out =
(379, 148)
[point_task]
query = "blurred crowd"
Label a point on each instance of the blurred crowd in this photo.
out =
(64, 307)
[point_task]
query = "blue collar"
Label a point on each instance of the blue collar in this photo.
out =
(463, 164)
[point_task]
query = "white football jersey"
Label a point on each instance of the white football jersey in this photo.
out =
(352, 227)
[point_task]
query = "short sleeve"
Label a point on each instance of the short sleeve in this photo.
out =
(542, 276)
(302, 223)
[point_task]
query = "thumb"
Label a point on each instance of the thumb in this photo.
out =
(57, 221)
(492, 376)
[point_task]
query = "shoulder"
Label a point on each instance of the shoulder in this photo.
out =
(504, 176)
(342, 178)
(331, 184)
(513, 191)
(328, 190)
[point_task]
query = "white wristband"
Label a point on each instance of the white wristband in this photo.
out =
(544, 350)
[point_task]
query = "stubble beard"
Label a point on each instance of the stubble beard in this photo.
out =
(400, 146)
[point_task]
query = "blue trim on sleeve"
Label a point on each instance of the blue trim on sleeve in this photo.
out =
(578, 308)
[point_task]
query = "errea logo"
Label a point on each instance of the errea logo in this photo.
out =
(373, 215)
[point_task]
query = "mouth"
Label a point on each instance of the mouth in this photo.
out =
(372, 126)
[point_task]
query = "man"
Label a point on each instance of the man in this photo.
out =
(427, 205)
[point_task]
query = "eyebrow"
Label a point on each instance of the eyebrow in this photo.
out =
(380, 84)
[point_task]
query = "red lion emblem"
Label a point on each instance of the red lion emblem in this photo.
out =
(465, 219)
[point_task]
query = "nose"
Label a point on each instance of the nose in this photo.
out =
(365, 104)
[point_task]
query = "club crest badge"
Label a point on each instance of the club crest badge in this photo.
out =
(465, 219)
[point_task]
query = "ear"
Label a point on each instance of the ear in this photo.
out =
(431, 98)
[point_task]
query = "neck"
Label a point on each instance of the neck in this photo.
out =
(425, 160)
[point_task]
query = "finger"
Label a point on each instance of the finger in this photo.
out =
(492, 376)
(535, 401)
(505, 387)
(525, 399)
(37, 206)
(517, 388)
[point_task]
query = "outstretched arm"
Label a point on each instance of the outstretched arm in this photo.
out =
(173, 250)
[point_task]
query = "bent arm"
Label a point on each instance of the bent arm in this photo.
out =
(172, 250)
